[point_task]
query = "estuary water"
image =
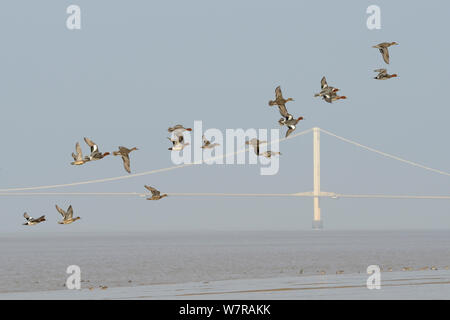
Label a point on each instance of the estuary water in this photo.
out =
(38, 262)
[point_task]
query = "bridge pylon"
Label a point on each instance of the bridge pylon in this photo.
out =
(317, 221)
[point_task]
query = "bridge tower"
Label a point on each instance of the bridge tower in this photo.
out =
(317, 222)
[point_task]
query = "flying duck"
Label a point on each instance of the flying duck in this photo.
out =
(67, 215)
(178, 129)
(178, 140)
(78, 156)
(326, 89)
(31, 221)
(156, 195)
(95, 153)
(290, 123)
(383, 47)
(255, 143)
(178, 143)
(383, 75)
(208, 145)
(124, 153)
(280, 101)
(269, 154)
(332, 97)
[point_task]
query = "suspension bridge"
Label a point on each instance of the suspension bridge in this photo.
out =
(316, 193)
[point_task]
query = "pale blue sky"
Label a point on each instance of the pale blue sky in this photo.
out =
(137, 67)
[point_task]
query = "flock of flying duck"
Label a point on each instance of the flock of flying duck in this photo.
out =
(327, 93)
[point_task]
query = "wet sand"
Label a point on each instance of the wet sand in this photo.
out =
(428, 284)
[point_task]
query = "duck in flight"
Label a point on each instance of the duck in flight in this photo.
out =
(383, 47)
(279, 100)
(325, 88)
(31, 221)
(207, 144)
(178, 129)
(78, 156)
(269, 154)
(156, 195)
(383, 75)
(287, 120)
(332, 97)
(178, 143)
(95, 153)
(290, 123)
(328, 93)
(255, 143)
(124, 153)
(67, 215)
